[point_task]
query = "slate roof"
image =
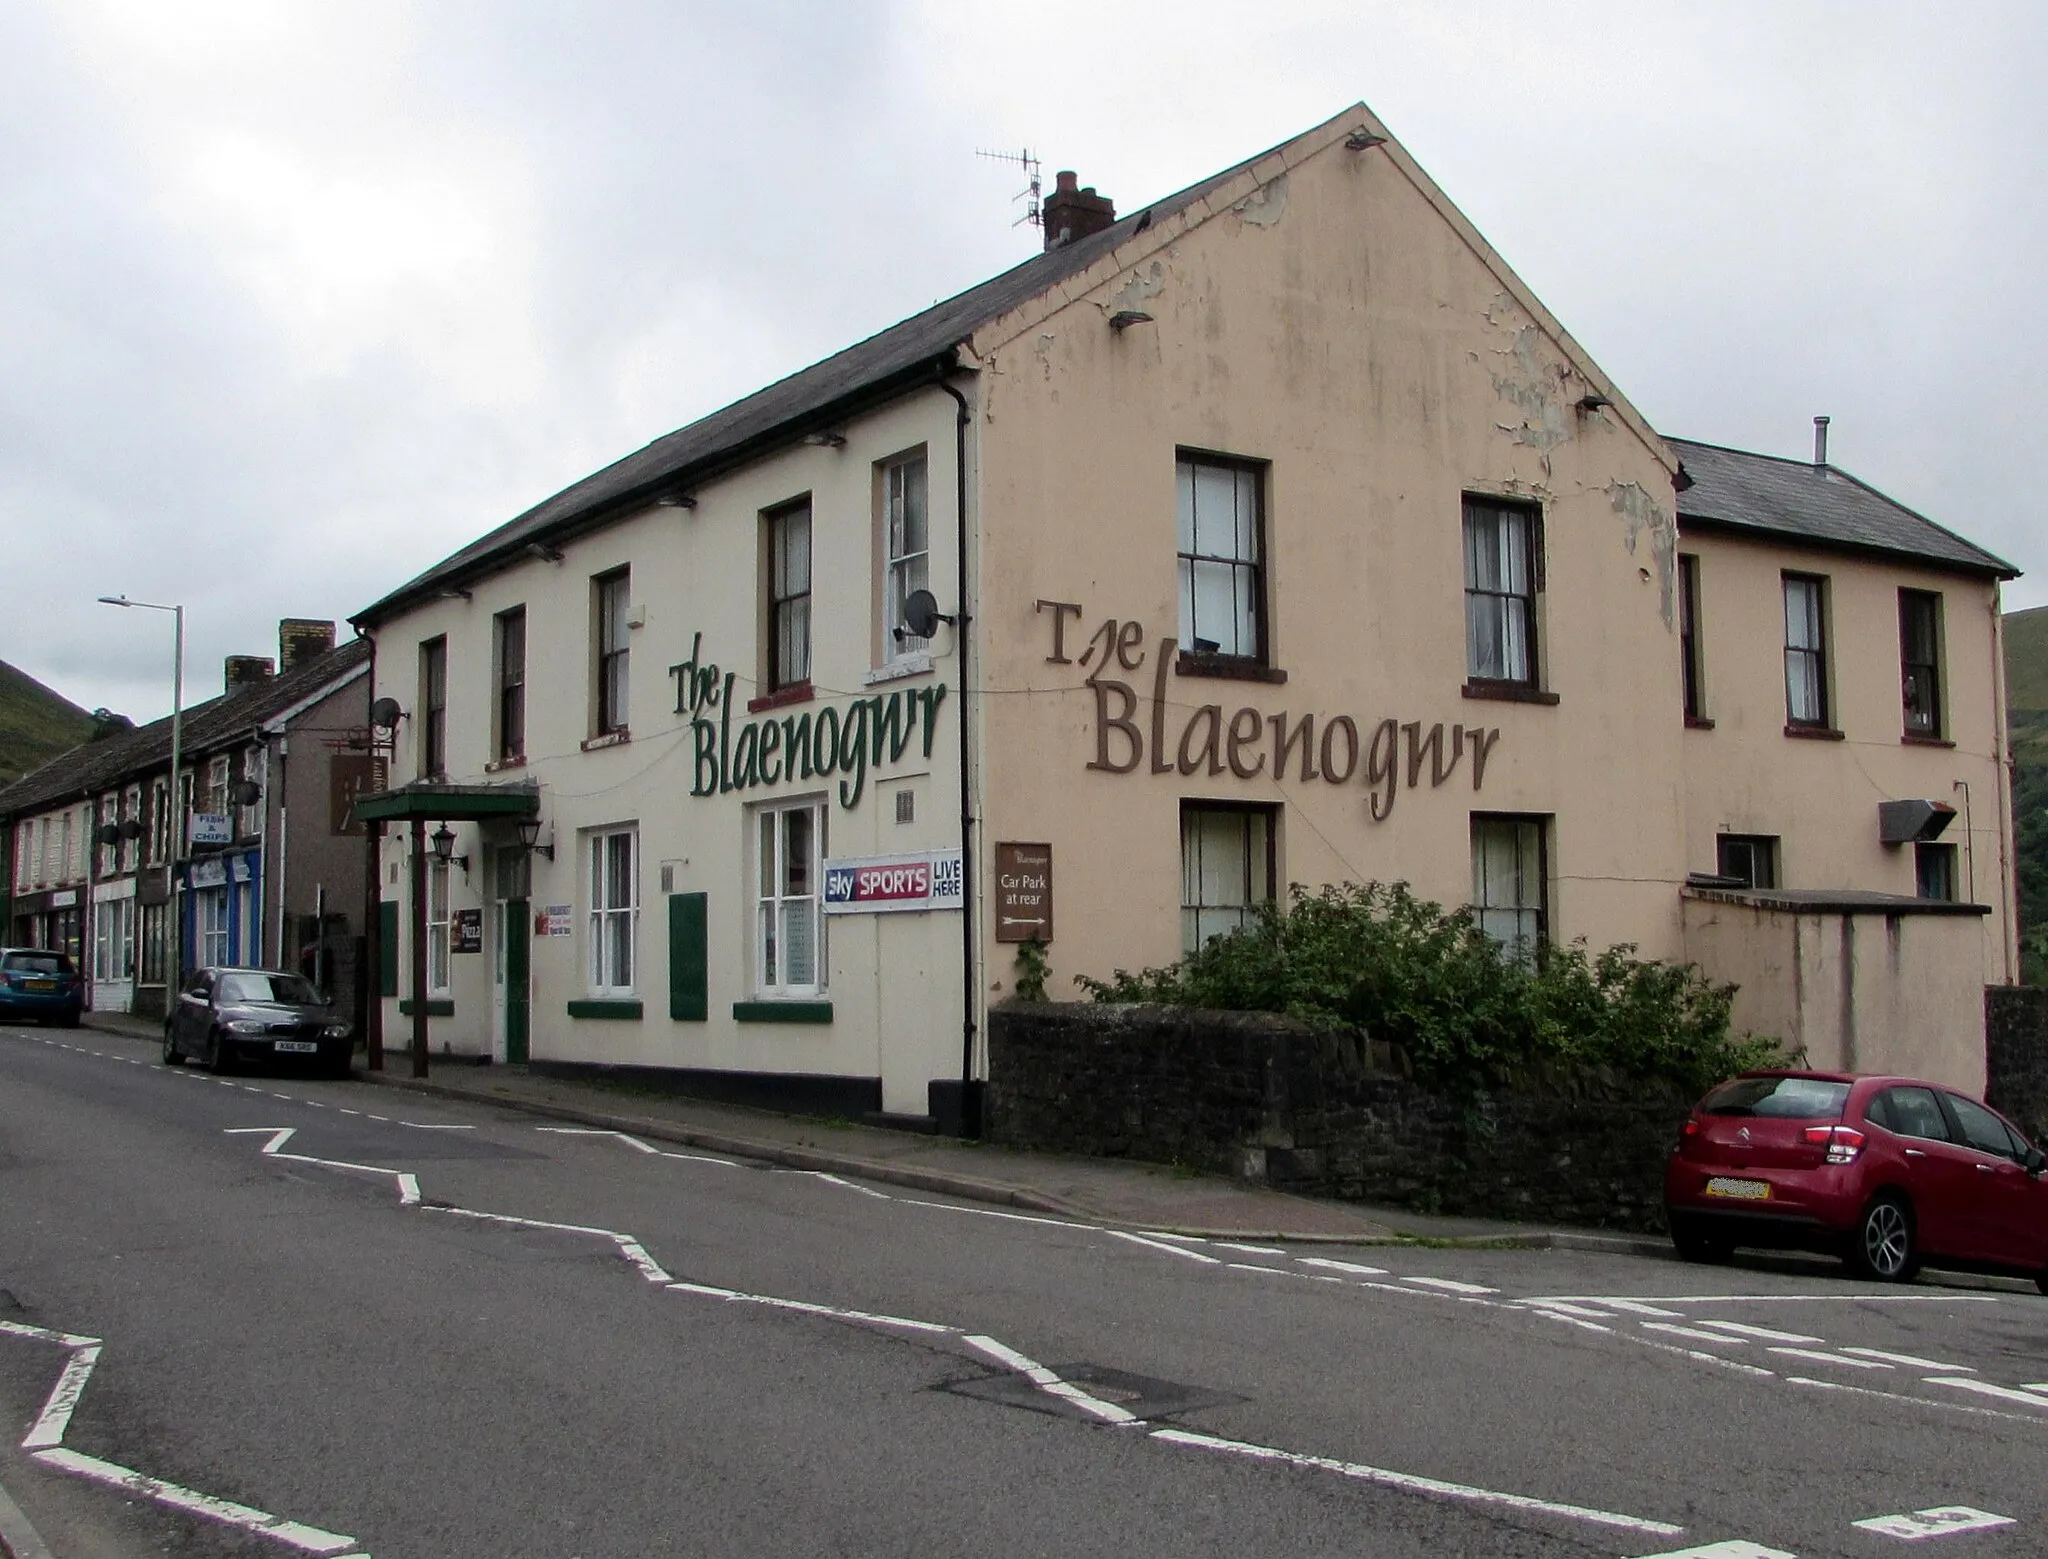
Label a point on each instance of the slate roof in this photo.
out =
(91, 767)
(914, 351)
(1792, 500)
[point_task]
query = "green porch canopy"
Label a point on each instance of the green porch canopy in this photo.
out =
(429, 801)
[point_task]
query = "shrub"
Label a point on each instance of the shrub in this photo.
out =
(1402, 969)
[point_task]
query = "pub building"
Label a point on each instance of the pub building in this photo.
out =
(1274, 533)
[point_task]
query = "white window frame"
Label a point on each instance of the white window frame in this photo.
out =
(439, 920)
(1229, 866)
(1503, 543)
(774, 902)
(1226, 549)
(131, 811)
(1511, 888)
(614, 900)
(907, 558)
(210, 919)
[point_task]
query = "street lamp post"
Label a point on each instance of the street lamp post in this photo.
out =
(174, 966)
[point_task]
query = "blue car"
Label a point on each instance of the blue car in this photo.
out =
(39, 985)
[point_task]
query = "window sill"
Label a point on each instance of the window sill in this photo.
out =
(1910, 739)
(795, 693)
(1698, 723)
(782, 1012)
(1507, 692)
(609, 739)
(897, 670)
(609, 1009)
(1229, 668)
(503, 764)
(437, 1007)
(1814, 733)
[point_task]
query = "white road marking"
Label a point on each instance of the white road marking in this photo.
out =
(1768, 1334)
(1938, 1522)
(990, 1212)
(2031, 1385)
(1279, 1272)
(1045, 1380)
(1171, 1250)
(1332, 1264)
(1191, 1239)
(1452, 1285)
(430, 1126)
(1985, 1388)
(1832, 1358)
(1572, 1320)
(1901, 1396)
(805, 1307)
(1911, 1361)
(1417, 1485)
(819, 1174)
(629, 1247)
(1638, 1307)
(45, 1439)
(1251, 1250)
(408, 1185)
(630, 1141)
(1673, 1329)
(346, 1110)
(1735, 1549)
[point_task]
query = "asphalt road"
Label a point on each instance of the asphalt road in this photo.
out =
(316, 1317)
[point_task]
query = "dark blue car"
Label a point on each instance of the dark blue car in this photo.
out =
(40, 986)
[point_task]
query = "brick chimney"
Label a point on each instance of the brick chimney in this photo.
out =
(300, 639)
(245, 670)
(1072, 214)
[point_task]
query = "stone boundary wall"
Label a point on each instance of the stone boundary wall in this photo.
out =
(1327, 1112)
(2016, 1055)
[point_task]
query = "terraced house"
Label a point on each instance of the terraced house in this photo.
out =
(1272, 533)
(253, 863)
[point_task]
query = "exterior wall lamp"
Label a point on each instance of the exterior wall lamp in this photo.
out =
(1123, 319)
(529, 838)
(443, 841)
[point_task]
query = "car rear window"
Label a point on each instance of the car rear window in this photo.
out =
(1782, 1098)
(36, 963)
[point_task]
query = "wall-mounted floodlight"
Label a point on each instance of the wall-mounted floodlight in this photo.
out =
(826, 440)
(1123, 319)
(546, 553)
(1594, 402)
(1363, 140)
(675, 501)
(452, 593)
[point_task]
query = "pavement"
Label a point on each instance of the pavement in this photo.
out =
(1118, 1192)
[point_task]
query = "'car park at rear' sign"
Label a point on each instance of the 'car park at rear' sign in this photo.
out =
(885, 884)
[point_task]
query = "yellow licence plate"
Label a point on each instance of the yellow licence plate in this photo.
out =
(1740, 1190)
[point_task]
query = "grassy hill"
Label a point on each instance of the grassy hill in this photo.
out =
(2026, 682)
(35, 724)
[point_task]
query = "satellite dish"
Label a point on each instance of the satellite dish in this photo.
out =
(108, 833)
(131, 829)
(921, 614)
(247, 792)
(385, 714)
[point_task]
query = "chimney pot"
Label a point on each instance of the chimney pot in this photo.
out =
(1820, 443)
(1072, 213)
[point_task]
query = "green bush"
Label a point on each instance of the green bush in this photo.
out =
(1402, 969)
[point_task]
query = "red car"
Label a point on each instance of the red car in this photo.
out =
(1886, 1172)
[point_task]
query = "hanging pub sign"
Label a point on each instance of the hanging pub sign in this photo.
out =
(888, 884)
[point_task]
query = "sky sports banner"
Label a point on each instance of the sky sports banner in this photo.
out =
(882, 884)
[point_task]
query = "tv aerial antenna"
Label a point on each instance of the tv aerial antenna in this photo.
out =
(1031, 194)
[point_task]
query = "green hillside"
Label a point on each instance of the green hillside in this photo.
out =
(35, 724)
(2026, 683)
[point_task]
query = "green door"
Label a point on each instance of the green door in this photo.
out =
(518, 946)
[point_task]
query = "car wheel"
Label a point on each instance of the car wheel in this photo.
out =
(172, 1055)
(1883, 1245)
(219, 1058)
(1694, 1243)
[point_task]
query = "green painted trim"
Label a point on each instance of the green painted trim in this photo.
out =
(782, 1012)
(436, 1008)
(689, 959)
(432, 803)
(613, 1011)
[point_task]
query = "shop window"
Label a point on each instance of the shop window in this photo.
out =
(1510, 882)
(1806, 652)
(1227, 867)
(789, 929)
(1503, 573)
(433, 707)
(153, 944)
(1920, 662)
(438, 918)
(1220, 524)
(1934, 871)
(610, 607)
(787, 535)
(511, 667)
(614, 911)
(1749, 860)
(1689, 636)
(906, 523)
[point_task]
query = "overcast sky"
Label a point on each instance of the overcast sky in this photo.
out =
(297, 298)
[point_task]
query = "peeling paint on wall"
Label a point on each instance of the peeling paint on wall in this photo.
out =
(1532, 388)
(1643, 513)
(1042, 349)
(1147, 281)
(1265, 205)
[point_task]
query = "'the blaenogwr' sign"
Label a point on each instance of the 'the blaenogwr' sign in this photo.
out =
(885, 884)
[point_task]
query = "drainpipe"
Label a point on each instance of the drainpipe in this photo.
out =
(2001, 770)
(970, 1122)
(370, 974)
(284, 836)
